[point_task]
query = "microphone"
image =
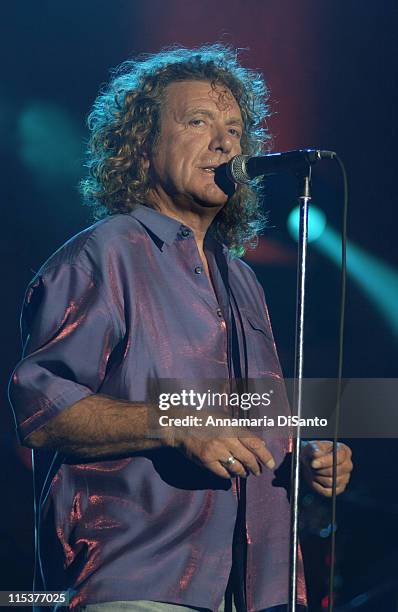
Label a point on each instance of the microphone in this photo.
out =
(242, 169)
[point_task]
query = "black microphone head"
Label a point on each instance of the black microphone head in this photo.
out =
(236, 170)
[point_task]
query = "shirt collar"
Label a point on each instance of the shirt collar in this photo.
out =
(161, 225)
(166, 228)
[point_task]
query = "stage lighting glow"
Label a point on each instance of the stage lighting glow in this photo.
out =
(325, 533)
(377, 279)
(359, 601)
(50, 143)
(316, 222)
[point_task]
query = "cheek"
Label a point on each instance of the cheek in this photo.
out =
(165, 159)
(177, 157)
(184, 158)
(175, 154)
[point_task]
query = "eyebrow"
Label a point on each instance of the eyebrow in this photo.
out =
(210, 114)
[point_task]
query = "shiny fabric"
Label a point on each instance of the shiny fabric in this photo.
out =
(117, 308)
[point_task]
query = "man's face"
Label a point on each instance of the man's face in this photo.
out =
(200, 128)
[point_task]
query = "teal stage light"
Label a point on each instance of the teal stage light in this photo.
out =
(377, 279)
(316, 223)
(50, 143)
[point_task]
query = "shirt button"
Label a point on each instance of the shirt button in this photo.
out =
(219, 312)
(198, 270)
(185, 233)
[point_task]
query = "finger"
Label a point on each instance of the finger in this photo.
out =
(328, 482)
(218, 469)
(221, 450)
(325, 461)
(247, 458)
(341, 489)
(342, 468)
(327, 448)
(259, 449)
(316, 448)
(320, 448)
(234, 469)
(326, 491)
(313, 451)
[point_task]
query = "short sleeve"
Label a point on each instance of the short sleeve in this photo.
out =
(68, 335)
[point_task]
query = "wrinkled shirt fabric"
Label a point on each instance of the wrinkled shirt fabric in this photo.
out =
(123, 304)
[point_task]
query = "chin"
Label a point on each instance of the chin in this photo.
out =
(213, 198)
(211, 204)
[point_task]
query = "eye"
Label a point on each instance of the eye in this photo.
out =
(196, 122)
(235, 132)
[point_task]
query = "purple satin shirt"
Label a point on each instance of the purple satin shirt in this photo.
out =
(123, 304)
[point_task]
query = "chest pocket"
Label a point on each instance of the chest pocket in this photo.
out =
(261, 354)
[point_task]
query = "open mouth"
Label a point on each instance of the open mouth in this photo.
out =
(220, 178)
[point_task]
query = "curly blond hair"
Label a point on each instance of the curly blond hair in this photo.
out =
(125, 123)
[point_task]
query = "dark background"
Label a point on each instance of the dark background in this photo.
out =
(332, 70)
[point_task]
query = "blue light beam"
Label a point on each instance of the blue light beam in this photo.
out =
(377, 279)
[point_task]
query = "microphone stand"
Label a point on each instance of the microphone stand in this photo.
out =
(304, 197)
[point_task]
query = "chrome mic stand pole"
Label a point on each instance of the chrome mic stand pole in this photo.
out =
(304, 198)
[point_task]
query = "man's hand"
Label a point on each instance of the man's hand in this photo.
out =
(317, 457)
(228, 456)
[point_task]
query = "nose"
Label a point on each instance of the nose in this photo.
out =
(221, 140)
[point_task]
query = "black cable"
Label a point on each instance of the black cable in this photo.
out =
(339, 379)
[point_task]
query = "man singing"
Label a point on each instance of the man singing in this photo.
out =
(155, 290)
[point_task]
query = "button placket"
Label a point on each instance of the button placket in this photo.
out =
(185, 232)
